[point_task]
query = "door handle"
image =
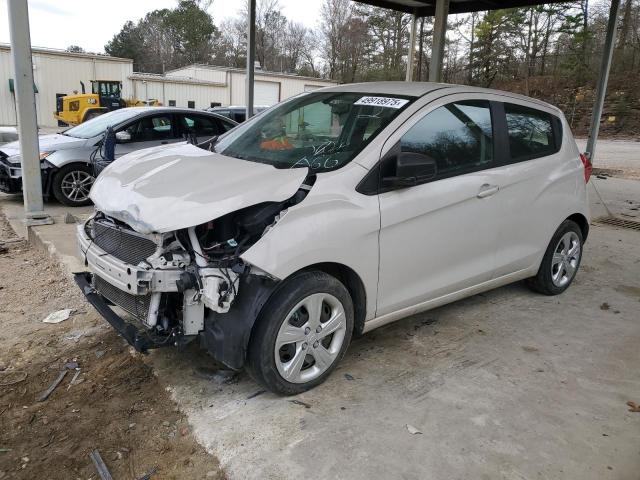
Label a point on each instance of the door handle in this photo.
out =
(487, 190)
(164, 142)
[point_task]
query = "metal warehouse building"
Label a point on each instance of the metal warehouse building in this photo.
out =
(197, 86)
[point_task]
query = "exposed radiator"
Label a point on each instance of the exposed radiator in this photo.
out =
(124, 244)
(136, 305)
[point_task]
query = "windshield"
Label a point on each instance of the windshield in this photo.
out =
(322, 131)
(105, 88)
(99, 124)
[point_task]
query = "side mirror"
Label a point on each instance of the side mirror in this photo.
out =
(123, 137)
(411, 169)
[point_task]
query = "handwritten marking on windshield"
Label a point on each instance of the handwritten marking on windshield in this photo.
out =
(316, 163)
(328, 148)
(330, 145)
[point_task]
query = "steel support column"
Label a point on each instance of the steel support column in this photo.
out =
(251, 56)
(439, 36)
(603, 78)
(26, 113)
(412, 48)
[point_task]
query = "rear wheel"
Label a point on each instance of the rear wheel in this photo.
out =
(561, 260)
(72, 183)
(301, 334)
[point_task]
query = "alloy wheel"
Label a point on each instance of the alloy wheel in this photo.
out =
(566, 258)
(310, 338)
(76, 185)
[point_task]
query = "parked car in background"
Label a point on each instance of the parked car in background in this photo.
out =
(331, 214)
(236, 113)
(67, 173)
(8, 134)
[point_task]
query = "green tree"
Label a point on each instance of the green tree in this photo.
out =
(495, 39)
(167, 38)
(193, 31)
(74, 49)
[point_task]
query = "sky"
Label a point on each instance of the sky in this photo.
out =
(91, 24)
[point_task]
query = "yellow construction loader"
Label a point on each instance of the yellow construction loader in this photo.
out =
(105, 96)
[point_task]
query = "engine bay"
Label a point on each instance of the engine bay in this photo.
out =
(181, 277)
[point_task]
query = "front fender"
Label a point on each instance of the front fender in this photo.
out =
(333, 224)
(61, 158)
(226, 335)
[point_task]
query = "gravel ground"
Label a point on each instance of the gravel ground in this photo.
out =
(621, 158)
(116, 404)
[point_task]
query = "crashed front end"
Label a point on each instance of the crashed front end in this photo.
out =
(171, 258)
(174, 285)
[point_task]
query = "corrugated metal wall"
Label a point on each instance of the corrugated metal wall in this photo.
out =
(288, 85)
(226, 87)
(201, 73)
(180, 92)
(7, 105)
(58, 73)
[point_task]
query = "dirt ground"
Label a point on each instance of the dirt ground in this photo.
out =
(115, 405)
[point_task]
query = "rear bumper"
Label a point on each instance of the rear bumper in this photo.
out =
(141, 340)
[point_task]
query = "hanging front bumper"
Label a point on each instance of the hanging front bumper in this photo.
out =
(139, 339)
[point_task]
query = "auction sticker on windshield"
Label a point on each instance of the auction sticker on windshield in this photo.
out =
(386, 102)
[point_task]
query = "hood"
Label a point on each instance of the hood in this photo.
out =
(47, 143)
(162, 189)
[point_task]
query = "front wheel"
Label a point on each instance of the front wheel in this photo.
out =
(72, 183)
(301, 334)
(561, 260)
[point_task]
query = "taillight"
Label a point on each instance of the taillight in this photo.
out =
(588, 168)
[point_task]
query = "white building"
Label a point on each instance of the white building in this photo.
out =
(58, 72)
(200, 86)
(195, 86)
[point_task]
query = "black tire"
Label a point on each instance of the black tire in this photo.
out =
(62, 194)
(261, 356)
(543, 281)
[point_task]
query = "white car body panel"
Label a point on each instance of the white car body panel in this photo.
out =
(329, 226)
(535, 197)
(419, 222)
(173, 187)
(414, 248)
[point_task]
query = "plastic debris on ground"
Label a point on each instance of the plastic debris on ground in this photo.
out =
(59, 316)
(413, 430)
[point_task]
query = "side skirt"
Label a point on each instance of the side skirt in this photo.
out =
(449, 298)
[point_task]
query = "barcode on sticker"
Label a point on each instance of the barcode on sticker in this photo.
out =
(386, 102)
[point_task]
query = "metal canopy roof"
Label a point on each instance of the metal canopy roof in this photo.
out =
(427, 8)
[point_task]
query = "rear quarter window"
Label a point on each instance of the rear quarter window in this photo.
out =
(532, 133)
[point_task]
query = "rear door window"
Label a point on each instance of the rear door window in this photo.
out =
(458, 136)
(202, 126)
(152, 128)
(531, 132)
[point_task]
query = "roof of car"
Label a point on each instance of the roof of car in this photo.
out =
(419, 89)
(234, 107)
(144, 110)
(389, 88)
(163, 109)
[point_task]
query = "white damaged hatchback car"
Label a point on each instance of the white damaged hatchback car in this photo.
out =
(331, 214)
